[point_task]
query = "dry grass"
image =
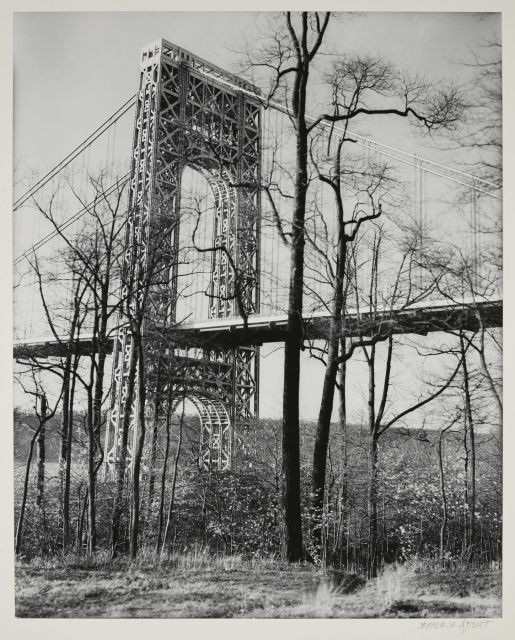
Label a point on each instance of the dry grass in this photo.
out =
(196, 585)
(415, 591)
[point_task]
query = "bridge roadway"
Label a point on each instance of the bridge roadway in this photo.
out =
(421, 318)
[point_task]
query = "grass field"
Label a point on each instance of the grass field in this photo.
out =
(197, 586)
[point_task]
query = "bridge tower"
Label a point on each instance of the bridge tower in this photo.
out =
(189, 113)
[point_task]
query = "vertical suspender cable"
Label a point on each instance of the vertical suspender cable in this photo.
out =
(475, 231)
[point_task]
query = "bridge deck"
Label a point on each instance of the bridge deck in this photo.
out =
(421, 319)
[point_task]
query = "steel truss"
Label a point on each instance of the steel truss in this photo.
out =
(191, 114)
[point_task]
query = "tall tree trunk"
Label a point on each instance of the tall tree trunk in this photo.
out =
(301, 61)
(91, 542)
(163, 477)
(342, 414)
(443, 496)
(68, 458)
(373, 471)
(21, 517)
(153, 450)
(321, 444)
(121, 462)
(465, 484)
(40, 487)
(326, 403)
(98, 396)
(472, 468)
(372, 508)
(172, 490)
(98, 393)
(81, 519)
(293, 344)
(63, 456)
(138, 454)
(94, 432)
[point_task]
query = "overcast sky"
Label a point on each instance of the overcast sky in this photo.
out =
(72, 70)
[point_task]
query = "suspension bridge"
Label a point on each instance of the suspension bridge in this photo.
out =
(204, 221)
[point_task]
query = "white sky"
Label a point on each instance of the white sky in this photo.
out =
(72, 70)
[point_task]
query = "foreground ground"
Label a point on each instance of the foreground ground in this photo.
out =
(195, 586)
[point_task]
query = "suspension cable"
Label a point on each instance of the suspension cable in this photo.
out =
(364, 140)
(77, 151)
(69, 221)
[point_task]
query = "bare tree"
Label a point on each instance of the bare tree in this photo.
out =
(483, 131)
(43, 414)
(67, 371)
(174, 481)
(470, 282)
(381, 414)
(93, 255)
(346, 231)
(288, 56)
(443, 495)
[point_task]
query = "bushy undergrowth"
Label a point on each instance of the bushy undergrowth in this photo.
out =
(239, 513)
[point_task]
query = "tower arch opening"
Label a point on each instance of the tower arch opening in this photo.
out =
(194, 259)
(206, 257)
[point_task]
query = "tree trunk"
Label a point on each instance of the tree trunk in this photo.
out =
(443, 526)
(465, 484)
(321, 445)
(81, 521)
(138, 454)
(293, 344)
(326, 403)
(98, 393)
(172, 491)
(163, 478)
(91, 543)
(373, 455)
(19, 527)
(344, 435)
(41, 454)
(153, 451)
(68, 458)
(491, 384)
(472, 468)
(94, 430)
(372, 509)
(121, 462)
(486, 371)
(65, 427)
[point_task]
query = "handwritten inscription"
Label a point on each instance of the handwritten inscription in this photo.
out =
(461, 625)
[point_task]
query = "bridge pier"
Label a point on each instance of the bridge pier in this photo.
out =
(189, 113)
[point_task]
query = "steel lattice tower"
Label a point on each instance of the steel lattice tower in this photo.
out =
(189, 113)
